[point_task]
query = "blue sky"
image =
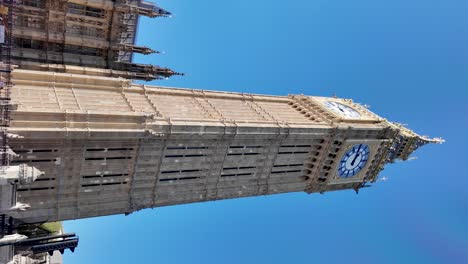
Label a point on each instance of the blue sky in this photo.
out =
(408, 60)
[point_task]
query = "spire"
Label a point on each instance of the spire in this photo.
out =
(406, 142)
(157, 11)
(139, 49)
(146, 71)
(153, 12)
(146, 9)
(165, 73)
(423, 140)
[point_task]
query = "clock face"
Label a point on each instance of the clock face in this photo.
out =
(342, 109)
(353, 161)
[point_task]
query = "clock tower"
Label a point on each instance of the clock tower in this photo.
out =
(108, 146)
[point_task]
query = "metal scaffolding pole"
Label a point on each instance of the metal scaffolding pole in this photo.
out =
(6, 28)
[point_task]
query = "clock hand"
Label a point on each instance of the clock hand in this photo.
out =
(355, 157)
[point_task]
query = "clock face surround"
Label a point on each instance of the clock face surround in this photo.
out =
(353, 161)
(342, 109)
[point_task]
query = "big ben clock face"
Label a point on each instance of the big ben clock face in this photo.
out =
(342, 109)
(353, 161)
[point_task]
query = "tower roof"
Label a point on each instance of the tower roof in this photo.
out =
(407, 141)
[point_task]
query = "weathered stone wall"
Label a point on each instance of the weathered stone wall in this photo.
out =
(108, 146)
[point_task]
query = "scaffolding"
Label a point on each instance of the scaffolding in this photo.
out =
(6, 27)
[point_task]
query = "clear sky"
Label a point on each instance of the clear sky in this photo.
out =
(408, 60)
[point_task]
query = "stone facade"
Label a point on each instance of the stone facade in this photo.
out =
(73, 35)
(108, 146)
